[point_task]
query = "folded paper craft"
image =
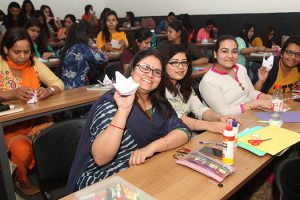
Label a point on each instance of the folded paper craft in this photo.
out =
(268, 63)
(34, 98)
(106, 81)
(125, 86)
(115, 44)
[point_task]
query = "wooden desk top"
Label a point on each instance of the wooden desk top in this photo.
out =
(64, 99)
(130, 29)
(57, 44)
(258, 57)
(200, 73)
(207, 45)
(162, 178)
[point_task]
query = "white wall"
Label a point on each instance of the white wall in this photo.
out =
(162, 7)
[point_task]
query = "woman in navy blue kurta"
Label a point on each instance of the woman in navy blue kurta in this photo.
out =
(123, 131)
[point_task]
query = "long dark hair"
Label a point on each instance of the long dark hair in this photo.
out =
(106, 35)
(78, 33)
(177, 26)
(42, 40)
(23, 9)
(12, 36)
(131, 18)
(264, 35)
(141, 35)
(244, 33)
(185, 84)
(87, 8)
(157, 96)
(43, 7)
(10, 16)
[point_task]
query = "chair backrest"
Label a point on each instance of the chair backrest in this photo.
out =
(288, 178)
(54, 150)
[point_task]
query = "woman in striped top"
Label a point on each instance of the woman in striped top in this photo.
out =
(124, 131)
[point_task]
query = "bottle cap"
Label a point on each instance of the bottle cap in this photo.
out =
(228, 127)
(278, 86)
(234, 123)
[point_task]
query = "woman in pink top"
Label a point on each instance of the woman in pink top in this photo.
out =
(205, 33)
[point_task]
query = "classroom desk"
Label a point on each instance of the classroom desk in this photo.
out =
(66, 100)
(162, 178)
(52, 63)
(257, 58)
(131, 29)
(206, 47)
(200, 73)
(57, 44)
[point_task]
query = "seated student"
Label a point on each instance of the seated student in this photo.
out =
(162, 26)
(142, 42)
(68, 21)
(76, 56)
(226, 87)
(188, 25)
(266, 39)
(27, 10)
(285, 70)
(244, 45)
(130, 20)
(40, 41)
(90, 17)
(21, 75)
(41, 17)
(181, 95)
(148, 22)
(53, 23)
(111, 32)
(178, 35)
(205, 33)
(13, 17)
(2, 27)
(123, 131)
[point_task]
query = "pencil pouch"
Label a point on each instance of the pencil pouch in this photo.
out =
(206, 165)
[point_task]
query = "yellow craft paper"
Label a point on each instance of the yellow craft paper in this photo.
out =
(281, 139)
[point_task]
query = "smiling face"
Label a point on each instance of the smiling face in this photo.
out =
(34, 32)
(111, 22)
(227, 54)
(20, 52)
(289, 59)
(145, 44)
(177, 73)
(148, 82)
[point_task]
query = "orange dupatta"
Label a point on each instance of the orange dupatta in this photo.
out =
(29, 76)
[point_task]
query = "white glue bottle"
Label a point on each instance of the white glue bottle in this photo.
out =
(235, 130)
(228, 145)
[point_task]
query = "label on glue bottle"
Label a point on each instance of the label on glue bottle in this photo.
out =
(228, 145)
(235, 130)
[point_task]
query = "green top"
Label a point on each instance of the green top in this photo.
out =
(37, 53)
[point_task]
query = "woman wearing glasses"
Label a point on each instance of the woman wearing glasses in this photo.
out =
(182, 97)
(285, 70)
(124, 131)
(226, 87)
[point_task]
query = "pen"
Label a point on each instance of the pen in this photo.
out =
(215, 183)
(215, 143)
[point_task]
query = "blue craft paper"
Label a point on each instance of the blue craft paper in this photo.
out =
(197, 68)
(287, 117)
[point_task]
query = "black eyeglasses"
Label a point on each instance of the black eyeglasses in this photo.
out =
(292, 53)
(177, 63)
(146, 69)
